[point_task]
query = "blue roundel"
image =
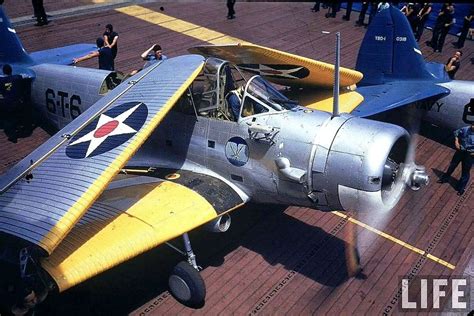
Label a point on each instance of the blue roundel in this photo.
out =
(110, 130)
(237, 151)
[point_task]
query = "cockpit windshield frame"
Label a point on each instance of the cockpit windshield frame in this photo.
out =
(268, 95)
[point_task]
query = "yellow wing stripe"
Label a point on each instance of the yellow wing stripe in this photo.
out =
(85, 201)
(156, 217)
(348, 101)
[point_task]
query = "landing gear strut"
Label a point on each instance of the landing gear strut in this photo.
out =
(185, 282)
(32, 290)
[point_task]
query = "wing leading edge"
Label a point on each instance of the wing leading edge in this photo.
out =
(280, 67)
(73, 173)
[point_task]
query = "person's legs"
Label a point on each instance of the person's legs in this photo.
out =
(362, 13)
(462, 37)
(420, 28)
(434, 38)
(466, 165)
(316, 6)
(40, 13)
(441, 39)
(11, 126)
(457, 157)
(347, 16)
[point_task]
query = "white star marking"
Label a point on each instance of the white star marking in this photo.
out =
(265, 70)
(121, 128)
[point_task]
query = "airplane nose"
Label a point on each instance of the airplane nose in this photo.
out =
(365, 165)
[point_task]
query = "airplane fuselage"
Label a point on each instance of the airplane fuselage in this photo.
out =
(448, 111)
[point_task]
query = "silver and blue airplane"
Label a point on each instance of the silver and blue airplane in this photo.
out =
(142, 160)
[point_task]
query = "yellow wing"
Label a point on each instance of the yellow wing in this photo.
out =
(280, 67)
(130, 219)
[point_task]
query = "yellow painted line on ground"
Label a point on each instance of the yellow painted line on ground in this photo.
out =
(177, 25)
(396, 240)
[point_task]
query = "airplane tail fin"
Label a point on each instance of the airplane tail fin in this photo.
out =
(11, 49)
(389, 50)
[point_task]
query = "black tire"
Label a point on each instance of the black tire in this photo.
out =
(187, 285)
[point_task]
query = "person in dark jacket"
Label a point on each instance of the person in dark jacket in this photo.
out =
(465, 29)
(453, 64)
(106, 60)
(422, 17)
(11, 101)
(110, 39)
(442, 25)
(464, 143)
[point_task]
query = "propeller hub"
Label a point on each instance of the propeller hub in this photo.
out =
(418, 178)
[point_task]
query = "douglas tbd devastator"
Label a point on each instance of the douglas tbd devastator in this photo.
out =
(167, 151)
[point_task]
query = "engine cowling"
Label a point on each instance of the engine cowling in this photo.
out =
(360, 164)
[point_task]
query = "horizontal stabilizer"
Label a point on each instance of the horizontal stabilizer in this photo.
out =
(62, 55)
(381, 98)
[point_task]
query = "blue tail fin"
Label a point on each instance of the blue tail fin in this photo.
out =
(389, 51)
(11, 49)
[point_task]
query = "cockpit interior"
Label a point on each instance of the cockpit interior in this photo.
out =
(222, 91)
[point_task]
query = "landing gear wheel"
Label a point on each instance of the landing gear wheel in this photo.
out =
(187, 285)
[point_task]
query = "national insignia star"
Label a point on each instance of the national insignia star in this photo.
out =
(106, 127)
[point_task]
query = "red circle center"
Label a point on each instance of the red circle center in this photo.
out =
(106, 129)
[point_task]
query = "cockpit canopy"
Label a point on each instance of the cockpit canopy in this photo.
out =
(222, 91)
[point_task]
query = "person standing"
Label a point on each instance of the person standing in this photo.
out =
(11, 101)
(453, 64)
(347, 16)
(464, 143)
(40, 13)
(465, 29)
(422, 18)
(106, 61)
(363, 11)
(110, 39)
(152, 55)
(230, 8)
(442, 25)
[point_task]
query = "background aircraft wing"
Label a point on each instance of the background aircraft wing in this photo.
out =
(136, 214)
(62, 55)
(280, 67)
(391, 95)
(72, 169)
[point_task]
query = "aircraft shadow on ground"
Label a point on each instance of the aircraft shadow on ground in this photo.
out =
(266, 230)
